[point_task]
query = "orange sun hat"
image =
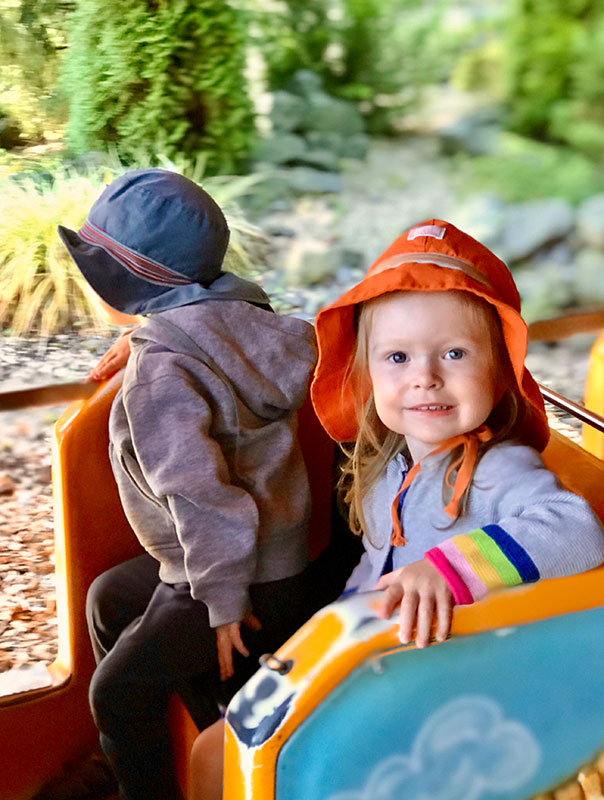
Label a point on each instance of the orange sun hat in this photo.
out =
(433, 256)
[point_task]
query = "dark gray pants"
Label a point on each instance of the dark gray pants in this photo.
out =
(152, 639)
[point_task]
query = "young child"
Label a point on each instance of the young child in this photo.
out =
(204, 451)
(421, 365)
(421, 368)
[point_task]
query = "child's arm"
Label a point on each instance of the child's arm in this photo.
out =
(113, 360)
(540, 531)
(215, 522)
(424, 595)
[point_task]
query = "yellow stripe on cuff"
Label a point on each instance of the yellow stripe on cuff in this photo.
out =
(486, 560)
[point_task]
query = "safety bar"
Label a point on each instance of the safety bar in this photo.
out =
(574, 409)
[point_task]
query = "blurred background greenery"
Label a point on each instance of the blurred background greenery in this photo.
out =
(267, 100)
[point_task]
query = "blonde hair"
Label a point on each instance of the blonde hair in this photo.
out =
(376, 445)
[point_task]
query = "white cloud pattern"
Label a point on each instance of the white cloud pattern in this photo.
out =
(465, 749)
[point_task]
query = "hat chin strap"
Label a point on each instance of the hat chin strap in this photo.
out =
(464, 465)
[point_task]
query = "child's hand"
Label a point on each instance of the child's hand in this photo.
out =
(113, 360)
(423, 593)
(227, 637)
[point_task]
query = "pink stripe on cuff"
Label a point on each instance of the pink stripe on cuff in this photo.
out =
(461, 593)
(460, 564)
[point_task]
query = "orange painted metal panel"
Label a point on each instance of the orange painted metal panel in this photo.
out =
(41, 731)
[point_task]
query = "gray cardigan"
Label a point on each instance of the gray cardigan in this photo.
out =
(519, 525)
(205, 454)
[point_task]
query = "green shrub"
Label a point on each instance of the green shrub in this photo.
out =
(377, 52)
(41, 290)
(163, 76)
(524, 170)
(555, 71)
(32, 37)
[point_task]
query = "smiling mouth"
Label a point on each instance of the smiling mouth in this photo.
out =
(431, 407)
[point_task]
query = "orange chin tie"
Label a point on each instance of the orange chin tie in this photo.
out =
(464, 466)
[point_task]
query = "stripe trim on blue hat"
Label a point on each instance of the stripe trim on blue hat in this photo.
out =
(137, 264)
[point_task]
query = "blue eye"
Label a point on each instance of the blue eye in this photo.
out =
(398, 358)
(455, 353)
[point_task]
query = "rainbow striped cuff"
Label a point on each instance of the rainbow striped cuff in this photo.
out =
(475, 563)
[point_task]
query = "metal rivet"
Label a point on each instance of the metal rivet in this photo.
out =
(275, 664)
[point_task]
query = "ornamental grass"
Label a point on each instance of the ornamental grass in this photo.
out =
(41, 290)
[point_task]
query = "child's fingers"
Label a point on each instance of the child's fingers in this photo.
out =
(408, 616)
(392, 597)
(113, 360)
(424, 617)
(252, 622)
(387, 580)
(444, 611)
(104, 369)
(225, 658)
(237, 642)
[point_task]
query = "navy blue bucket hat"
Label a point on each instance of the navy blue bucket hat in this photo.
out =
(155, 240)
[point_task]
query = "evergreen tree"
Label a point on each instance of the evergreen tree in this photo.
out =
(159, 77)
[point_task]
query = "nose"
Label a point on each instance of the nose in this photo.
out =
(426, 375)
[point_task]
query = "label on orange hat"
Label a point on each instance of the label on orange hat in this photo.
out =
(435, 231)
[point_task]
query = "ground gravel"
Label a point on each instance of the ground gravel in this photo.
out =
(28, 626)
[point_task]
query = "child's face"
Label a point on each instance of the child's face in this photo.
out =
(432, 366)
(111, 315)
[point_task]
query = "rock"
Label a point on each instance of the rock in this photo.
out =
(322, 112)
(354, 146)
(331, 114)
(305, 83)
(272, 191)
(544, 291)
(474, 140)
(277, 229)
(588, 279)
(590, 221)
(288, 111)
(322, 159)
(532, 225)
(313, 181)
(311, 261)
(476, 132)
(7, 485)
(483, 217)
(282, 148)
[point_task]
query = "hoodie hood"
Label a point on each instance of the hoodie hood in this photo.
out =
(266, 358)
(433, 256)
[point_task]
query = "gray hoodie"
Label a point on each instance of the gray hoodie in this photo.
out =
(205, 455)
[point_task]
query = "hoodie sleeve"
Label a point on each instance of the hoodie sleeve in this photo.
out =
(541, 531)
(216, 522)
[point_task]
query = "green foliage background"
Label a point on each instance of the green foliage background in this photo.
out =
(159, 76)
(379, 52)
(554, 58)
(32, 40)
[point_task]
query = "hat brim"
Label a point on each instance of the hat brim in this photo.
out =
(127, 293)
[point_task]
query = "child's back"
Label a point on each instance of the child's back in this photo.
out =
(204, 448)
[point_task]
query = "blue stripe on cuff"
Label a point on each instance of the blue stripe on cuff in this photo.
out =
(517, 555)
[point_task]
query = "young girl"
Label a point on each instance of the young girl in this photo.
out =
(421, 365)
